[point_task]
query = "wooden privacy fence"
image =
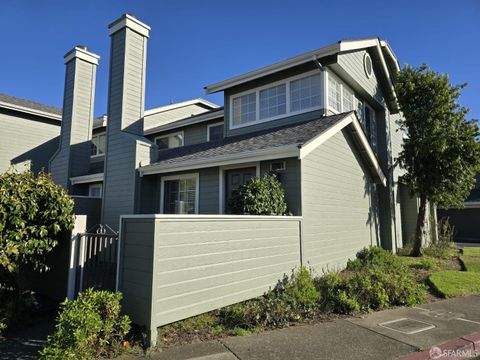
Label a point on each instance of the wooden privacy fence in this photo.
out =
(175, 266)
(94, 260)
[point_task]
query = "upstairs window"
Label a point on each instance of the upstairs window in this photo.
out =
(95, 190)
(244, 109)
(169, 141)
(98, 145)
(334, 93)
(273, 101)
(215, 132)
(305, 93)
(347, 99)
(296, 94)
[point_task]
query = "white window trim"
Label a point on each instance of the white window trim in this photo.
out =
(221, 181)
(329, 107)
(98, 136)
(213, 125)
(180, 177)
(257, 90)
(170, 135)
(93, 186)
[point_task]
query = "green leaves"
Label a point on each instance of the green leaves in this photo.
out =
(33, 211)
(440, 155)
(260, 196)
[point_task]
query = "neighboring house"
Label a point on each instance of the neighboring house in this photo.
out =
(324, 122)
(465, 221)
(28, 133)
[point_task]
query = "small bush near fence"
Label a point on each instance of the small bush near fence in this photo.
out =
(376, 279)
(89, 327)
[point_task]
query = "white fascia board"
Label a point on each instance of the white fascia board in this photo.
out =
(30, 111)
(179, 105)
(185, 122)
(385, 45)
(189, 217)
(315, 142)
(271, 69)
(85, 179)
(82, 54)
(238, 158)
(131, 23)
(368, 150)
(349, 45)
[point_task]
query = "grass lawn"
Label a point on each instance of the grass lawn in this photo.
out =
(471, 251)
(471, 263)
(455, 283)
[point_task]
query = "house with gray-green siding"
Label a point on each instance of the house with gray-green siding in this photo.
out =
(29, 133)
(324, 122)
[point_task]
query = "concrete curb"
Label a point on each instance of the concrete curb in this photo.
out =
(463, 348)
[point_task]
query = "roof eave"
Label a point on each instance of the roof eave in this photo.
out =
(30, 111)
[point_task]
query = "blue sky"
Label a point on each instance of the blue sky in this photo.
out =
(196, 43)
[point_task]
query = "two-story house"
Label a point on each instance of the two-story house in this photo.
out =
(323, 121)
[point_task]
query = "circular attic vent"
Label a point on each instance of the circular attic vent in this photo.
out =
(367, 64)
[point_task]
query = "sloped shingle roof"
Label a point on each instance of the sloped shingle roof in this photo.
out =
(293, 134)
(30, 104)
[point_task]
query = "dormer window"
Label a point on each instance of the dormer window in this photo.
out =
(98, 145)
(294, 95)
(169, 141)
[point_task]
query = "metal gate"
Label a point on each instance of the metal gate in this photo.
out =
(97, 259)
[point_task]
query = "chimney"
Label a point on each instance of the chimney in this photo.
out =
(73, 155)
(126, 101)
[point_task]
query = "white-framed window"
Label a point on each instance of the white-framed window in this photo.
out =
(179, 194)
(244, 109)
(95, 190)
(370, 125)
(348, 99)
(278, 166)
(306, 93)
(98, 145)
(287, 97)
(334, 93)
(215, 131)
(273, 101)
(169, 141)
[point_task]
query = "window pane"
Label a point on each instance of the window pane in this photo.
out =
(93, 149)
(334, 95)
(175, 141)
(244, 109)
(305, 93)
(215, 132)
(101, 144)
(162, 142)
(180, 196)
(347, 99)
(273, 101)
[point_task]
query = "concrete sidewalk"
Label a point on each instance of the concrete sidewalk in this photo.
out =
(388, 334)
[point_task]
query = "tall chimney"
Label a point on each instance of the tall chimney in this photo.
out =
(126, 101)
(73, 155)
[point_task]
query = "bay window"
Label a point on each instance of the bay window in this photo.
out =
(273, 101)
(98, 145)
(245, 109)
(305, 93)
(334, 93)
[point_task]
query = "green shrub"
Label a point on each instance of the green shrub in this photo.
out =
(442, 250)
(293, 299)
(260, 196)
(375, 280)
(89, 327)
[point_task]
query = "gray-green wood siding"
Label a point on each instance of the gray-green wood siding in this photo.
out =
(26, 137)
(336, 204)
(125, 111)
(190, 266)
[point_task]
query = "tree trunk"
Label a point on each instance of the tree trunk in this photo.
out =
(420, 231)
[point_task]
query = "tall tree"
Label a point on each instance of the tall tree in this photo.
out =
(440, 153)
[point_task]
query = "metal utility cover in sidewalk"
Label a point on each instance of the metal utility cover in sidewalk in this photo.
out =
(407, 326)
